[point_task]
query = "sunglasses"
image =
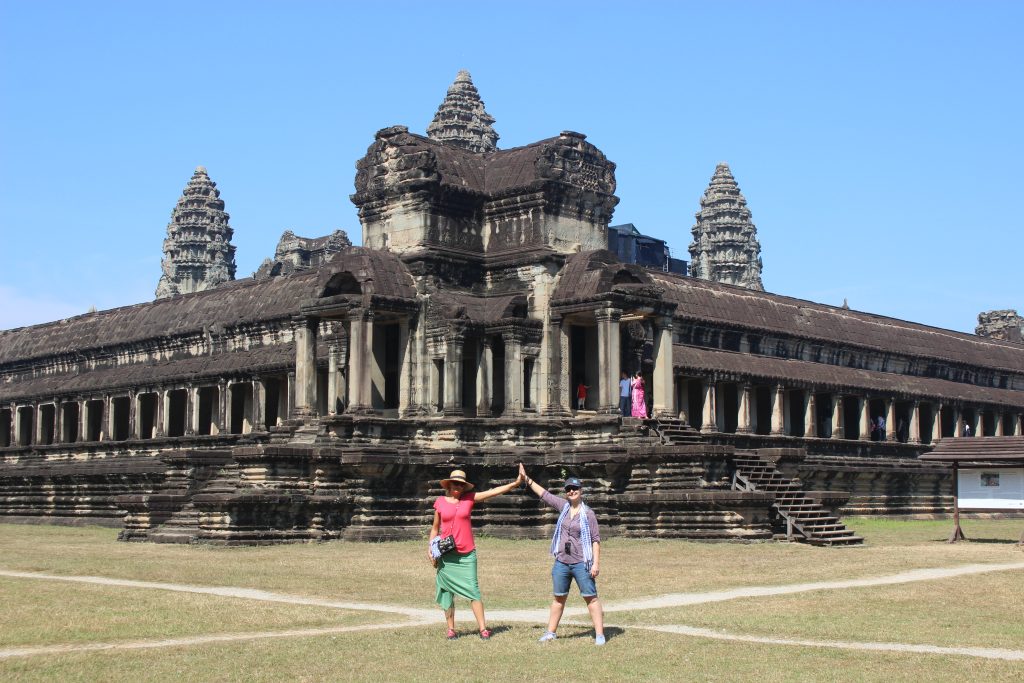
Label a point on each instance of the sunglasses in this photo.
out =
(571, 488)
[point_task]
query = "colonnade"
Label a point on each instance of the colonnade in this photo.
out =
(811, 412)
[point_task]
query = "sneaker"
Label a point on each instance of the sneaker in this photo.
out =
(452, 635)
(548, 635)
(599, 640)
(485, 634)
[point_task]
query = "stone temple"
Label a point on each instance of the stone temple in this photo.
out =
(324, 397)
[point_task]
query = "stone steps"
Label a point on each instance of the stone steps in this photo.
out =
(801, 514)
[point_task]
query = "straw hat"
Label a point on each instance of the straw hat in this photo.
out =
(457, 475)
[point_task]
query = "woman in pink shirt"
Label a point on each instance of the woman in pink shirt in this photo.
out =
(456, 569)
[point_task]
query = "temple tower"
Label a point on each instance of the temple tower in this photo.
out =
(198, 253)
(725, 246)
(1003, 324)
(461, 120)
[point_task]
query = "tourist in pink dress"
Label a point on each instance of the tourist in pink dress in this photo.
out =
(639, 397)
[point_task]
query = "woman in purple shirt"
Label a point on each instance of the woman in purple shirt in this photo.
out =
(576, 547)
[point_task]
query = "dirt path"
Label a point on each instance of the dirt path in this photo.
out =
(420, 617)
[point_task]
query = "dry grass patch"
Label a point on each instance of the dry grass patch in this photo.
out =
(513, 574)
(421, 654)
(971, 611)
(39, 612)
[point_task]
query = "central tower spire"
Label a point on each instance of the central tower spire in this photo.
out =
(461, 120)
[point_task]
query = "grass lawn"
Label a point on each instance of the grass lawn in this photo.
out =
(979, 610)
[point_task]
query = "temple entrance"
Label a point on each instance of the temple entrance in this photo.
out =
(275, 397)
(120, 408)
(851, 417)
(94, 420)
(209, 410)
(47, 415)
(241, 408)
(177, 418)
(385, 366)
(694, 403)
(970, 422)
(6, 423)
(1008, 424)
(528, 401)
(583, 365)
(823, 415)
(69, 422)
(797, 412)
(762, 410)
(877, 408)
(147, 415)
(25, 425)
(903, 410)
(730, 405)
(437, 379)
(947, 419)
(987, 426)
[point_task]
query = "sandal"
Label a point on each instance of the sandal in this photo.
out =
(485, 634)
(451, 635)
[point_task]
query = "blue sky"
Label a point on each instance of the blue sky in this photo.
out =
(879, 145)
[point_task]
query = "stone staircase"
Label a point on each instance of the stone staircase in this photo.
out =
(804, 516)
(183, 525)
(673, 431)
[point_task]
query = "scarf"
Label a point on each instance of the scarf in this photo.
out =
(588, 545)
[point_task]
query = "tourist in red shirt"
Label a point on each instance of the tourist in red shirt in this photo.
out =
(456, 570)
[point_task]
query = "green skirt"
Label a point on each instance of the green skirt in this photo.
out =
(456, 575)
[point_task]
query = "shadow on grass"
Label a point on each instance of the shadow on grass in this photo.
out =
(996, 541)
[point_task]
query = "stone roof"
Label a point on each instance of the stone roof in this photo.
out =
(737, 307)
(378, 273)
(593, 273)
(223, 307)
(978, 449)
(836, 377)
(566, 158)
(246, 362)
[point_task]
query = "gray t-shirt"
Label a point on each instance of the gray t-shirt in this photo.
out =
(571, 530)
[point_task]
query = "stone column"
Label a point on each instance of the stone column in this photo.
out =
(664, 389)
(191, 410)
(743, 419)
(914, 428)
(837, 417)
(684, 400)
(333, 378)
(81, 429)
(305, 367)
(513, 373)
(108, 419)
(999, 424)
(405, 377)
(1018, 425)
(810, 416)
(453, 376)
(562, 384)
(290, 396)
(484, 373)
(133, 415)
(958, 422)
(222, 408)
(937, 423)
(864, 430)
(16, 429)
(608, 359)
(890, 419)
(360, 356)
(259, 405)
(709, 420)
(778, 411)
(976, 423)
(162, 412)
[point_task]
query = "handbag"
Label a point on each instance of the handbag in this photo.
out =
(446, 544)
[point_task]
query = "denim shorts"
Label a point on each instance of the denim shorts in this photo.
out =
(562, 575)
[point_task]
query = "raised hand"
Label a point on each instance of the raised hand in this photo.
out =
(522, 473)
